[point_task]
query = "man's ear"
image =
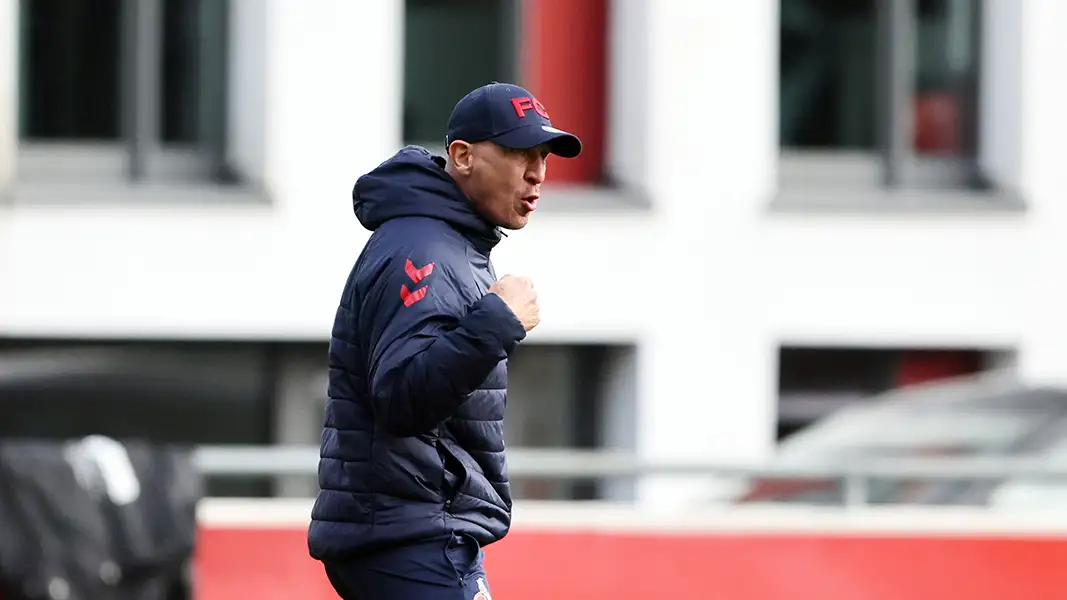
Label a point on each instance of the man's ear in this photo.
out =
(461, 156)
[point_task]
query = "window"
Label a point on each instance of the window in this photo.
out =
(879, 92)
(555, 49)
(992, 415)
(814, 382)
(186, 394)
(482, 32)
(128, 88)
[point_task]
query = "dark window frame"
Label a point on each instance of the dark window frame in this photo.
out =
(510, 51)
(140, 154)
(894, 164)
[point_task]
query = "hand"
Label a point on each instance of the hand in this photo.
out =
(519, 294)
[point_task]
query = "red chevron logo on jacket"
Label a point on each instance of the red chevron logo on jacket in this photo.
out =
(416, 275)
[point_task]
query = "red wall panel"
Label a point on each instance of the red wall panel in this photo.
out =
(564, 63)
(272, 564)
(924, 366)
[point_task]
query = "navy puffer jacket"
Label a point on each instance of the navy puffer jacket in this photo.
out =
(412, 441)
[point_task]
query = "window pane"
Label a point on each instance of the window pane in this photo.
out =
(945, 77)
(188, 396)
(69, 68)
(827, 75)
(450, 48)
(181, 30)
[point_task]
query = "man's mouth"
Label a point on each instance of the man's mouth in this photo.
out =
(530, 202)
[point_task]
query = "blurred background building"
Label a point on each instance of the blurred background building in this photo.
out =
(782, 207)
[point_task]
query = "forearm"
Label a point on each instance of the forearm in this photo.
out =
(436, 381)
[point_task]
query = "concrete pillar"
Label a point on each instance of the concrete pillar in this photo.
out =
(618, 416)
(540, 409)
(705, 369)
(300, 399)
(1043, 357)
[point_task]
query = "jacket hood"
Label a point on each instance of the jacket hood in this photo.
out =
(413, 183)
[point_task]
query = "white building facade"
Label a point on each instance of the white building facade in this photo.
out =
(712, 247)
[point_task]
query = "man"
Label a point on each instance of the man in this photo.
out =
(412, 472)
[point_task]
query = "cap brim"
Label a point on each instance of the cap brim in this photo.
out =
(560, 143)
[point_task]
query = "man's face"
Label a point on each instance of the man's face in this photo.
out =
(505, 184)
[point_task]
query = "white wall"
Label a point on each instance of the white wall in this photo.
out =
(331, 111)
(1043, 335)
(706, 384)
(708, 283)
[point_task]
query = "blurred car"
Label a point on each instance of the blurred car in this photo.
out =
(987, 416)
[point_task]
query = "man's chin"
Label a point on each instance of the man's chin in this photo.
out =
(516, 223)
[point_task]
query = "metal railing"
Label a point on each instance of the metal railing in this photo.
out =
(855, 475)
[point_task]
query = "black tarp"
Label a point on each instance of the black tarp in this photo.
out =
(96, 519)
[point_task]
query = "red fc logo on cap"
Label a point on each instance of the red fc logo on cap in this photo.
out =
(526, 103)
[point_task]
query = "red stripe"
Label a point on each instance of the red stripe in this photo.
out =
(416, 274)
(409, 297)
(564, 63)
(273, 564)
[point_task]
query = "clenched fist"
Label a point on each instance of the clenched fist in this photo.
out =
(519, 294)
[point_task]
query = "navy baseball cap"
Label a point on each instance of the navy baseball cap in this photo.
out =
(509, 116)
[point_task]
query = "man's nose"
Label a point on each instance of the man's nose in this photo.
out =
(535, 173)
